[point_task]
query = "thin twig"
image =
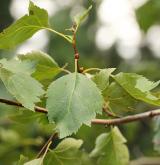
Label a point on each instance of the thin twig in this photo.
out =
(109, 113)
(118, 121)
(76, 54)
(52, 137)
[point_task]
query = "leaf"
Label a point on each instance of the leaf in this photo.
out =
(46, 68)
(15, 66)
(148, 14)
(110, 149)
(118, 99)
(102, 78)
(73, 100)
(138, 87)
(65, 153)
(22, 160)
(24, 28)
(23, 87)
(81, 17)
(38, 161)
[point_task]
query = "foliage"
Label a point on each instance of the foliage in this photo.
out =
(70, 100)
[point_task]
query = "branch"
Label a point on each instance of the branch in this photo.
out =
(10, 102)
(127, 119)
(52, 137)
(117, 121)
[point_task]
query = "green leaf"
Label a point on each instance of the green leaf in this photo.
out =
(16, 66)
(24, 28)
(102, 78)
(46, 68)
(118, 100)
(148, 14)
(81, 17)
(35, 162)
(22, 160)
(73, 100)
(66, 153)
(138, 87)
(23, 87)
(110, 149)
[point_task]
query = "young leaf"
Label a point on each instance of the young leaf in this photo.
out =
(46, 68)
(118, 99)
(24, 28)
(23, 87)
(102, 78)
(138, 87)
(81, 17)
(110, 149)
(65, 153)
(73, 100)
(16, 66)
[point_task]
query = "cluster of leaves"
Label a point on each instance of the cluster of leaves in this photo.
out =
(73, 99)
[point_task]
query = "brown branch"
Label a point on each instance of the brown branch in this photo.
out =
(117, 121)
(10, 102)
(127, 119)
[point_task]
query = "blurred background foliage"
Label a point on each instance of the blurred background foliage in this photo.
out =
(124, 34)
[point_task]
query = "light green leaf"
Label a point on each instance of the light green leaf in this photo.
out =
(138, 87)
(102, 78)
(81, 17)
(23, 87)
(66, 153)
(118, 100)
(73, 100)
(24, 28)
(110, 149)
(35, 162)
(16, 66)
(46, 68)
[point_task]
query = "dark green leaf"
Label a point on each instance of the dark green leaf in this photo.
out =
(73, 100)
(148, 14)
